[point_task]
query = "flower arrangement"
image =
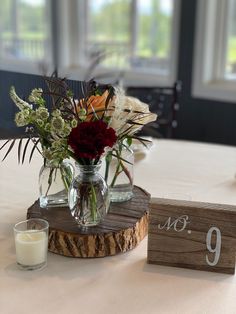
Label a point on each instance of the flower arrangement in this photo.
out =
(52, 129)
(80, 129)
(98, 124)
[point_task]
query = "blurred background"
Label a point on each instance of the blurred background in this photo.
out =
(179, 56)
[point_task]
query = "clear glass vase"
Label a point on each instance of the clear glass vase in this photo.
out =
(88, 196)
(119, 173)
(54, 182)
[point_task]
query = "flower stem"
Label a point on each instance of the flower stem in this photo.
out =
(126, 171)
(117, 172)
(66, 176)
(64, 179)
(108, 161)
(93, 203)
(120, 167)
(49, 180)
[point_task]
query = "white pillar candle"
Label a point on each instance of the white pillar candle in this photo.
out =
(31, 247)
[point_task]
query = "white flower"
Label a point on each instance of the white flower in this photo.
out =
(56, 144)
(22, 118)
(57, 123)
(74, 123)
(82, 114)
(66, 131)
(47, 153)
(128, 114)
(42, 113)
(47, 127)
(58, 150)
(40, 122)
(35, 95)
(20, 103)
(59, 143)
(33, 116)
(56, 113)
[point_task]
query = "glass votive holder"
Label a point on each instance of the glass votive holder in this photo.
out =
(31, 242)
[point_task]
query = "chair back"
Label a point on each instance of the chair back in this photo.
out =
(164, 101)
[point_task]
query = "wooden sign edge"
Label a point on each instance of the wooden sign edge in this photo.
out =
(185, 204)
(228, 271)
(193, 204)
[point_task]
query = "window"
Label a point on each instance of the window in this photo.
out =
(134, 33)
(134, 36)
(24, 33)
(230, 60)
(214, 73)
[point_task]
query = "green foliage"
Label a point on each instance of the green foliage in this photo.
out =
(5, 15)
(154, 35)
(31, 20)
(232, 50)
(109, 22)
(129, 141)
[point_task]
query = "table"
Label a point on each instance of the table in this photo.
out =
(124, 283)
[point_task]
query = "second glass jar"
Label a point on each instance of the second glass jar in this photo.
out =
(119, 173)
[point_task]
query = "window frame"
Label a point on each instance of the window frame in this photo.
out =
(69, 66)
(12, 64)
(209, 52)
(68, 30)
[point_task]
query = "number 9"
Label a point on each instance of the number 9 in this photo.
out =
(217, 248)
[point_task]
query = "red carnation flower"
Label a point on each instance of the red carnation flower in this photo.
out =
(89, 139)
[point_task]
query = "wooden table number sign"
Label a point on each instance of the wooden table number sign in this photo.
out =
(192, 235)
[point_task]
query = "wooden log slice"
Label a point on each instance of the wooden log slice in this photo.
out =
(121, 230)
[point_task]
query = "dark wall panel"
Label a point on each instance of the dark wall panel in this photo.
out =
(200, 119)
(23, 84)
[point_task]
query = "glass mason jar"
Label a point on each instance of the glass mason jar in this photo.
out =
(119, 173)
(54, 182)
(88, 196)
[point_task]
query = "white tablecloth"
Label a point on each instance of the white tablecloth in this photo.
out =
(124, 283)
